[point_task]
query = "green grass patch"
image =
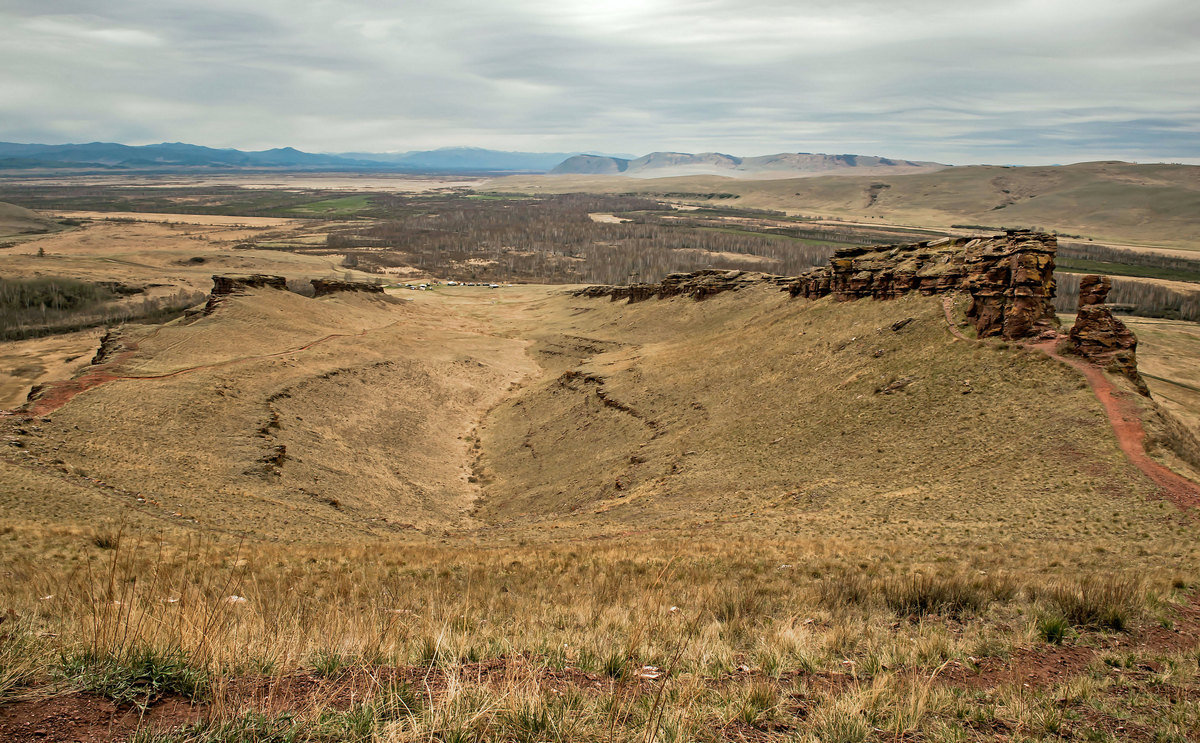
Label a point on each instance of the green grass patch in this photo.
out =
(347, 205)
(138, 678)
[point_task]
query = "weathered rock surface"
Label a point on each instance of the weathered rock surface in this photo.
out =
(1100, 337)
(1009, 277)
(224, 285)
(1094, 290)
(322, 287)
(697, 285)
(230, 284)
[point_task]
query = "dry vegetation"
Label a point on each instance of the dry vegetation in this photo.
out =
(516, 515)
(956, 583)
(832, 639)
(1146, 205)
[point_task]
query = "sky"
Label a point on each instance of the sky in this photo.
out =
(961, 81)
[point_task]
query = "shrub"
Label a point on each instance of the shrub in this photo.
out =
(1053, 627)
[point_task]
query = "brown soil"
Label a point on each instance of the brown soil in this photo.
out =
(92, 719)
(1044, 666)
(80, 718)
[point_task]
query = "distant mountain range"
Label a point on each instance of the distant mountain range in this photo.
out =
(782, 165)
(466, 158)
(174, 156)
(179, 156)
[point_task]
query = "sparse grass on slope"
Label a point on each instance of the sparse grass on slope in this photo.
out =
(748, 518)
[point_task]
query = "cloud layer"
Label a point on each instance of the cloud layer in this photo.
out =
(1025, 81)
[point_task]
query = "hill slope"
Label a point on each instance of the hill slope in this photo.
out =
(482, 414)
(16, 220)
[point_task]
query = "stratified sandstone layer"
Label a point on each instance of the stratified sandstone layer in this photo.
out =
(224, 285)
(1100, 337)
(1009, 277)
(322, 287)
(697, 285)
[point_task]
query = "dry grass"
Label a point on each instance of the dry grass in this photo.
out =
(669, 641)
(714, 528)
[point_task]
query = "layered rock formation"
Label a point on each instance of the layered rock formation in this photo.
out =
(224, 285)
(697, 285)
(322, 287)
(230, 284)
(1101, 338)
(1009, 277)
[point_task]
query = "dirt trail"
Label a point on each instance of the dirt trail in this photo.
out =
(1122, 413)
(948, 308)
(1126, 421)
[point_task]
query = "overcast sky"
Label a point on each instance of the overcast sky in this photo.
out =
(959, 81)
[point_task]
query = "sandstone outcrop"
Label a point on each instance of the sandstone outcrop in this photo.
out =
(225, 285)
(322, 287)
(1009, 277)
(1094, 289)
(232, 284)
(697, 285)
(1100, 337)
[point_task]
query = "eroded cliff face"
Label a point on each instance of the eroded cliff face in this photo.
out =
(1100, 337)
(322, 287)
(697, 285)
(224, 285)
(1009, 277)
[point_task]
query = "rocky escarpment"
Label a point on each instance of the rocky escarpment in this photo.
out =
(1100, 337)
(322, 287)
(1009, 277)
(225, 285)
(697, 285)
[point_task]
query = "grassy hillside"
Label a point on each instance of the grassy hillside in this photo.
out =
(517, 515)
(16, 220)
(346, 417)
(1138, 204)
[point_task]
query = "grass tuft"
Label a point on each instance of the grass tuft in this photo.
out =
(1108, 602)
(139, 678)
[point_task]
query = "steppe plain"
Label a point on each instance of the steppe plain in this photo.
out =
(512, 513)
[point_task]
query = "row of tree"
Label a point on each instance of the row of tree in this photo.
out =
(1135, 297)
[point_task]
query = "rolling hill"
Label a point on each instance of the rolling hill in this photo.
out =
(352, 416)
(782, 165)
(180, 156)
(16, 220)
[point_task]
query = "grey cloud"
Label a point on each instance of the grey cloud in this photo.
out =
(1027, 81)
